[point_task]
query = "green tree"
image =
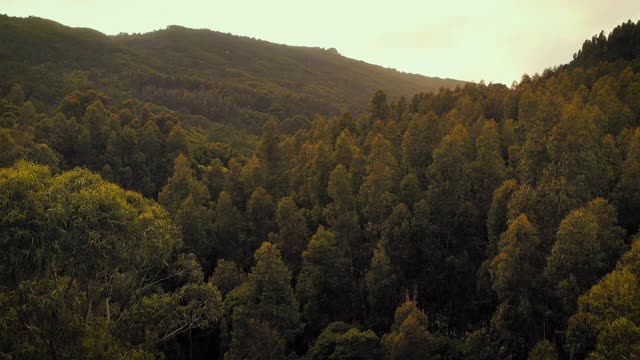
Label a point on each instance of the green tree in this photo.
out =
(28, 116)
(268, 152)
(186, 199)
(517, 280)
(342, 217)
(588, 244)
(400, 245)
(498, 216)
(379, 109)
(229, 229)
(214, 177)
(324, 283)
(575, 153)
(325, 344)
(618, 340)
(177, 141)
(410, 190)
(420, 139)
(357, 345)
(181, 185)
(488, 170)
(616, 296)
(544, 350)
(227, 276)
(265, 317)
(293, 233)
(448, 228)
(377, 192)
(260, 214)
(626, 193)
(381, 288)
(409, 337)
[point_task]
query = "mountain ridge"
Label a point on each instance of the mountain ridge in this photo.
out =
(223, 77)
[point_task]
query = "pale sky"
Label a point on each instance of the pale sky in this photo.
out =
(494, 41)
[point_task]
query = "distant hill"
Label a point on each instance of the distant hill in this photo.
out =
(220, 76)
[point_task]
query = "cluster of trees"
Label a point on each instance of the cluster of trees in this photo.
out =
(92, 271)
(482, 222)
(133, 146)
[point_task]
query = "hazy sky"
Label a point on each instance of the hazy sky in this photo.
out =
(495, 41)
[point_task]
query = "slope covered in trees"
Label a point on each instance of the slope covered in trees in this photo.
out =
(483, 222)
(223, 77)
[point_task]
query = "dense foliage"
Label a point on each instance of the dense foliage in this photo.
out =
(483, 222)
(225, 78)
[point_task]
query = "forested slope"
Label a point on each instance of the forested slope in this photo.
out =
(482, 222)
(225, 78)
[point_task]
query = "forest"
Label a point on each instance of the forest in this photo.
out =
(470, 222)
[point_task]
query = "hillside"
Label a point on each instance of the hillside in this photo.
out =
(222, 77)
(482, 222)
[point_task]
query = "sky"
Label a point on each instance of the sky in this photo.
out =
(490, 40)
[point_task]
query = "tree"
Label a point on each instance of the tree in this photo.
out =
(357, 345)
(342, 217)
(227, 276)
(293, 233)
(450, 235)
(260, 214)
(379, 109)
(324, 283)
(181, 185)
(575, 152)
(194, 221)
(376, 194)
(420, 139)
(498, 217)
(28, 116)
(401, 247)
(324, 346)
(626, 192)
(254, 175)
(186, 199)
(616, 296)
(450, 188)
(490, 343)
(229, 229)
(618, 340)
(544, 350)
(410, 190)
(177, 141)
(98, 125)
(345, 149)
(381, 288)
(152, 146)
(233, 181)
(517, 280)
(588, 244)
(488, 170)
(267, 151)
(265, 314)
(214, 178)
(409, 338)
